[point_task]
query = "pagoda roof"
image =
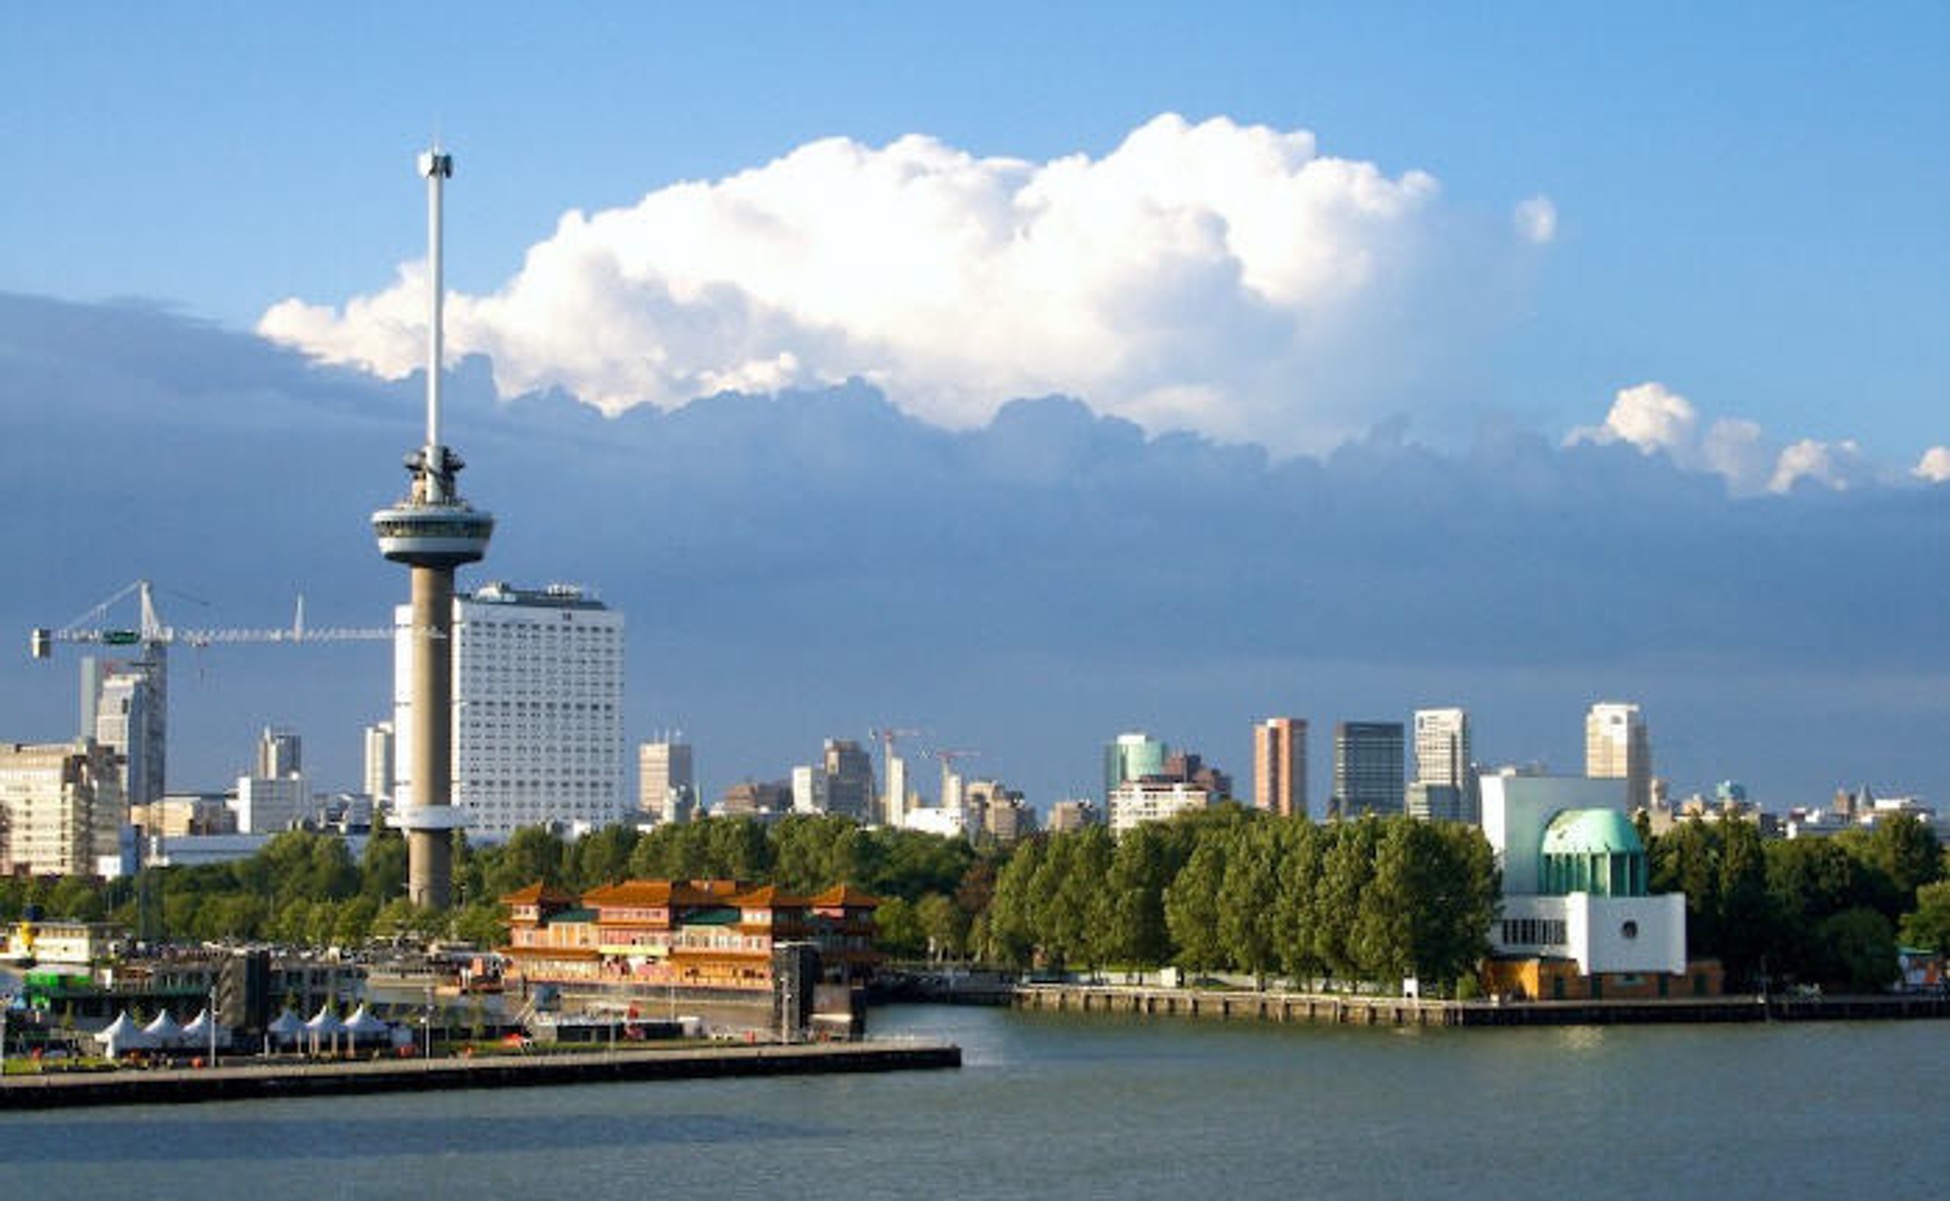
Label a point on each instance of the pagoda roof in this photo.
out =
(537, 894)
(654, 893)
(769, 895)
(844, 895)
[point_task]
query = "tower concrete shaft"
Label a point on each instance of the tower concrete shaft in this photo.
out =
(431, 850)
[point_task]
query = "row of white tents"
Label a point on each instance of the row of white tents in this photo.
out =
(324, 1030)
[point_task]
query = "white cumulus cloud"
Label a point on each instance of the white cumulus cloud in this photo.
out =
(1935, 465)
(1657, 420)
(1217, 276)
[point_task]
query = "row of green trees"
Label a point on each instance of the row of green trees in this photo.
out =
(306, 888)
(1369, 899)
(1822, 909)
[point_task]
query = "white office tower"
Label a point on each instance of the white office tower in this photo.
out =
(666, 783)
(377, 762)
(1442, 789)
(128, 716)
(809, 789)
(895, 790)
(538, 685)
(1616, 746)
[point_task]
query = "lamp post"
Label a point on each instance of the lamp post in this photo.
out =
(428, 1022)
(211, 1018)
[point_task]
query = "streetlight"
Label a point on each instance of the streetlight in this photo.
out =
(428, 1017)
(211, 1018)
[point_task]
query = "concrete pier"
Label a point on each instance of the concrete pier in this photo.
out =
(259, 1080)
(1298, 1007)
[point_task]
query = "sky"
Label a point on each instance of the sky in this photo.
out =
(1023, 376)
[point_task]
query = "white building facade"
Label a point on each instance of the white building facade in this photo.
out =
(62, 811)
(1153, 800)
(1574, 878)
(539, 685)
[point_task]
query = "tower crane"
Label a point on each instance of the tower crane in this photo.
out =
(948, 797)
(152, 640)
(893, 771)
(89, 629)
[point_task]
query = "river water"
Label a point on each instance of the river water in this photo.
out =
(1101, 1107)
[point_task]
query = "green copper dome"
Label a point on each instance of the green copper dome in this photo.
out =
(1591, 832)
(1592, 851)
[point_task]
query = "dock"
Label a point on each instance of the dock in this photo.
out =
(1299, 1007)
(254, 1079)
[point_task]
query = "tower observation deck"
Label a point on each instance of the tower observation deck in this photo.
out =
(432, 531)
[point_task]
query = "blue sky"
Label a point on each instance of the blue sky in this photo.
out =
(1738, 274)
(1734, 182)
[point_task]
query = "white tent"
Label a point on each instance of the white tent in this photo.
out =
(287, 1027)
(200, 1032)
(364, 1028)
(325, 1026)
(123, 1036)
(163, 1031)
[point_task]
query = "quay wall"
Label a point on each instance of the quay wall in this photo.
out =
(258, 1081)
(1297, 1007)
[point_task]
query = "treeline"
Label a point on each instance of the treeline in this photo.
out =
(1828, 910)
(306, 888)
(1367, 900)
(1220, 890)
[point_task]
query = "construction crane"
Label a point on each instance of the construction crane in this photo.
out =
(948, 795)
(893, 772)
(152, 640)
(88, 629)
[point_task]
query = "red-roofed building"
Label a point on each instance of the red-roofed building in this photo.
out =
(704, 934)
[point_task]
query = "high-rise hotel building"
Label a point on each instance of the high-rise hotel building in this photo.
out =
(1616, 745)
(539, 683)
(1278, 767)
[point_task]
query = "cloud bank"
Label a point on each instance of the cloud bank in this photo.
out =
(800, 565)
(1656, 420)
(1222, 278)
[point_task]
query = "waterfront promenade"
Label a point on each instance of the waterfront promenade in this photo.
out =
(257, 1079)
(1298, 1007)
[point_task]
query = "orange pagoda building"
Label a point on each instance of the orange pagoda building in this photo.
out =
(690, 934)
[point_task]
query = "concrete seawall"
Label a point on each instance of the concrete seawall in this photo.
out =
(1288, 1007)
(259, 1080)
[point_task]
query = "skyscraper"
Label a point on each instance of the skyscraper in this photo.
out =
(128, 715)
(538, 687)
(1369, 764)
(852, 786)
(377, 761)
(1130, 757)
(278, 754)
(1278, 767)
(1615, 745)
(1443, 788)
(666, 784)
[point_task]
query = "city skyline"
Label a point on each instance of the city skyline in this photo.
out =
(1257, 479)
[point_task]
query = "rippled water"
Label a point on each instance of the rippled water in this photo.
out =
(1078, 1107)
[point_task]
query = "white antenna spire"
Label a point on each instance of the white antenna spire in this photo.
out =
(436, 167)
